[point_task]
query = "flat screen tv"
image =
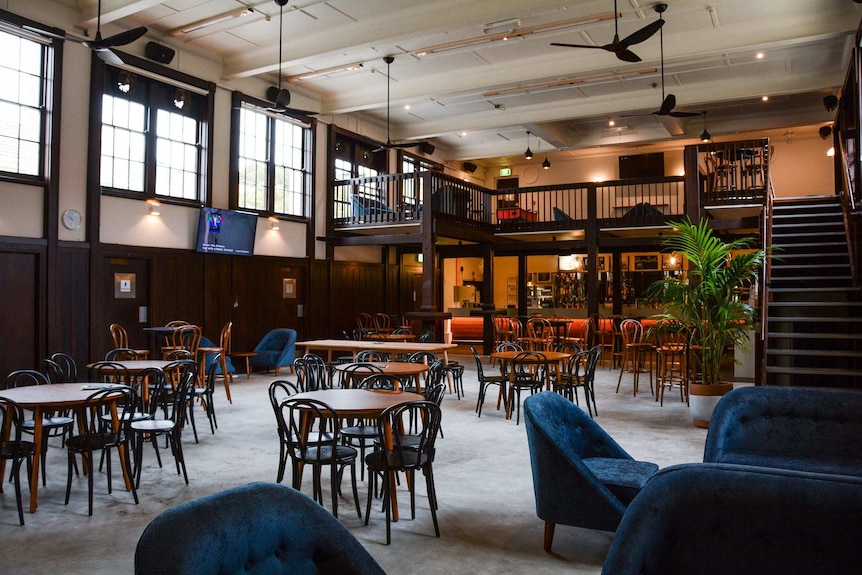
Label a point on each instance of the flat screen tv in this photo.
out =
(642, 166)
(226, 232)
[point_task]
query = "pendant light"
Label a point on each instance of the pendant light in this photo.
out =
(529, 153)
(546, 164)
(705, 136)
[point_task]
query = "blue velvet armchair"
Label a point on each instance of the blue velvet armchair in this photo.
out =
(816, 430)
(716, 519)
(277, 349)
(581, 476)
(255, 529)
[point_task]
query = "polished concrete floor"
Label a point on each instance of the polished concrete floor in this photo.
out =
(487, 514)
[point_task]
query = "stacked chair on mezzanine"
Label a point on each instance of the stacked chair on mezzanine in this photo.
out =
(406, 436)
(312, 430)
(15, 449)
(256, 529)
(101, 435)
(53, 424)
(581, 476)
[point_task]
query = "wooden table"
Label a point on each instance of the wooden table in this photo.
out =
(354, 346)
(390, 336)
(247, 355)
(134, 366)
(359, 404)
(557, 358)
(46, 398)
(396, 368)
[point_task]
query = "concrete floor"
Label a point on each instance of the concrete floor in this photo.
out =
(487, 512)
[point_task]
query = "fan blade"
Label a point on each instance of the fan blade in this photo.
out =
(643, 34)
(668, 105)
(684, 114)
(627, 55)
(108, 56)
(582, 46)
(122, 38)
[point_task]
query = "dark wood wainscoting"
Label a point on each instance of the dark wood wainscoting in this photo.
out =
(22, 308)
(69, 321)
(356, 288)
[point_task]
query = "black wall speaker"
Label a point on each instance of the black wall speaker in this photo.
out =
(470, 167)
(426, 148)
(159, 53)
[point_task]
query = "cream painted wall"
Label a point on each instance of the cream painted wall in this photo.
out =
(800, 166)
(21, 209)
(127, 222)
(367, 254)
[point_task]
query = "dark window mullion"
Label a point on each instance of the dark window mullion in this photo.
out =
(150, 155)
(270, 166)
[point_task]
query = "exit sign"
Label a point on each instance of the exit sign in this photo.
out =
(505, 171)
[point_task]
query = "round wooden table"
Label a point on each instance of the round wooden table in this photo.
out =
(42, 398)
(400, 369)
(359, 403)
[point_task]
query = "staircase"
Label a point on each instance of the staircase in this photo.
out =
(814, 316)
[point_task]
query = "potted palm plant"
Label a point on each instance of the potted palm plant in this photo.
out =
(706, 300)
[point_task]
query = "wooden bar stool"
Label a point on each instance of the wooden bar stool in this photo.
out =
(636, 353)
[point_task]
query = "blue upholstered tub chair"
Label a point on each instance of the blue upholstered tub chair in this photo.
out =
(717, 519)
(254, 529)
(277, 349)
(818, 430)
(581, 476)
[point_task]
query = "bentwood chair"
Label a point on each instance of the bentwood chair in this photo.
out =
(205, 394)
(279, 391)
(15, 449)
(312, 373)
(102, 436)
(530, 372)
(312, 431)
(218, 354)
(637, 353)
(406, 434)
(486, 381)
(53, 424)
(121, 340)
(68, 365)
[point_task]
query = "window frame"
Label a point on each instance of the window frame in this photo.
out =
(50, 93)
(242, 101)
(172, 78)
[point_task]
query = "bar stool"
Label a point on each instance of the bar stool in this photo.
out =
(672, 352)
(636, 351)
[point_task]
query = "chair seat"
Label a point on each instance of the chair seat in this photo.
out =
(97, 441)
(324, 454)
(386, 460)
(153, 425)
(10, 449)
(623, 477)
(48, 422)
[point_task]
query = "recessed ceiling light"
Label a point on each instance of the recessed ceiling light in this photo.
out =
(759, 55)
(463, 134)
(765, 98)
(406, 106)
(612, 123)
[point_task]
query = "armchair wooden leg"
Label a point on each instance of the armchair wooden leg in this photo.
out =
(549, 535)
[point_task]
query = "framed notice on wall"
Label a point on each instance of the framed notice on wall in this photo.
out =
(288, 288)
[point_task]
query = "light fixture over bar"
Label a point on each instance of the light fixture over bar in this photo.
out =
(570, 82)
(324, 72)
(509, 32)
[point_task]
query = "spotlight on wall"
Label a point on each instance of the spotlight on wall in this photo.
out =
(273, 223)
(181, 98)
(153, 208)
(825, 131)
(830, 102)
(125, 82)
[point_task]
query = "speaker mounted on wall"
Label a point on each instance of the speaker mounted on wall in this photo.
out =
(470, 167)
(426, 148)
(159, 53)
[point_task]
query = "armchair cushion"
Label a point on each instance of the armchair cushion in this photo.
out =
(561, 436)
(276, 349)
(259, 528)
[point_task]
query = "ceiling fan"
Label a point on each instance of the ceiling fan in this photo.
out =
(668, 103)
(621, 47)
(280, 97)
(101, 46)
(389, 145)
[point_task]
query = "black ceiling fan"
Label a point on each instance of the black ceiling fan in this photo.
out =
(668, 103)
(621, 47)
(280, 97)
(101, 46)
(389, 145)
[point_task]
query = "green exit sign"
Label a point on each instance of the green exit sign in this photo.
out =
(505, 171)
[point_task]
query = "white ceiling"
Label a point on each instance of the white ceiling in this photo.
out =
(476, 98)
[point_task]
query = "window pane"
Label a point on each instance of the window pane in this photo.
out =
(22, 80)
(177, 156)
(122, 149)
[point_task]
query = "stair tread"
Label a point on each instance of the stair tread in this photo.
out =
(808, 335)
(818, 289)
(828, 319)
(815, 304)
(813, 371)
(812, 352)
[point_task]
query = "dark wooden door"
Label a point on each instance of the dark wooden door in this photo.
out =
(19, 326)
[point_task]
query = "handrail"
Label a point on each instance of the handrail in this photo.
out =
(766, 272)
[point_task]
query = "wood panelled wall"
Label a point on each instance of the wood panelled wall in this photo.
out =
(205, 289)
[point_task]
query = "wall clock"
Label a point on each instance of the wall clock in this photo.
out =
(72, 219)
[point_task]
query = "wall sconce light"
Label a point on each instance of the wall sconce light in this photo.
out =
(181, 98)
(126, 82)
(528, 154)
(672, 261)
(153, 208)
(273, 223)
(705, 136)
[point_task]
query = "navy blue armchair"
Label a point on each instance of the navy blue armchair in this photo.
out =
(716, 519)
(277, 349)
(255, 529)
(581, 476)
(816, 430)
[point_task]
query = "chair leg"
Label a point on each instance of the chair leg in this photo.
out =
(549, 535)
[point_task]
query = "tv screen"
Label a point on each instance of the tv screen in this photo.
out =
(642, 166)
(226, 232)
